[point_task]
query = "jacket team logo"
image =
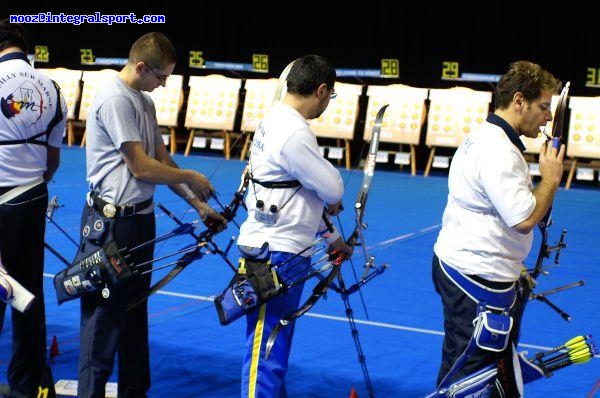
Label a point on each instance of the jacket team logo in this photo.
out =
(26, 101)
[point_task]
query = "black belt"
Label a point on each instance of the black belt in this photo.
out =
(277, 184)
(110, 210)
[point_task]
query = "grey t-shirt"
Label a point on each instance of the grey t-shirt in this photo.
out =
(119, 114)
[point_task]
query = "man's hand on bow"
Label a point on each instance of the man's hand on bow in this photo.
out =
(200, 186)
(333, 209)
(211, 218)
(340, 249)
(551, 162)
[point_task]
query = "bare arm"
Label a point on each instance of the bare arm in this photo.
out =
(551, 169)
(182, 189)
(52, 162)
(163, 171)
(206, 212)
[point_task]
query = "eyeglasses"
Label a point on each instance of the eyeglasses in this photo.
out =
(161, 78)
(545, 107)
(333, 94)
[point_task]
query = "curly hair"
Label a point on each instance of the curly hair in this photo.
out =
(527, 78)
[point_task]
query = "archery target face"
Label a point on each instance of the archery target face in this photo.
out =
(453, 113)
(168, 101)
(68, 80)
(92, 81)
(584, 128)
(212, 102)
(404, 116)
(258, 100)
(339, 119)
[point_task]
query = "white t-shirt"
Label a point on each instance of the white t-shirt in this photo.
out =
(285, 149)
(490, 191)
(28, 102)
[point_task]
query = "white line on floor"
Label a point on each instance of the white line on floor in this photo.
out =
(334, 318)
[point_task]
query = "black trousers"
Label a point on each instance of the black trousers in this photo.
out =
(22, 229)
(459, 312)
(107, 328)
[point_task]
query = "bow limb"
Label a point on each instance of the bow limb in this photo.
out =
(557, 133)
(230, 211)
(357, 237)
(559, 115)
(206, 236)
(318, 291)
(281, 86)
(361, 199)
(204, 243)
(183, 262)
(527, 280)
(53, 205)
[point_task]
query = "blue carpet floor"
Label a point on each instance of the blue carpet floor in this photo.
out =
(400, 331)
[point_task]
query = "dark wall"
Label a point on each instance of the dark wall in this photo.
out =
(482, 36)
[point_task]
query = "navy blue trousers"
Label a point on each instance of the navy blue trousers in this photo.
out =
(107, 328)
(459, 312)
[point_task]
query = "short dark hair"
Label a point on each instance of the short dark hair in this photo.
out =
(153, 48)
(527, 78)
(12, 35)
(308, 72)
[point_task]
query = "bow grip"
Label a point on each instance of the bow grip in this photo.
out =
(556, 142)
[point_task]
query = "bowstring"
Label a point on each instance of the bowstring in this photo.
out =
(215, 195)
(277, 97)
